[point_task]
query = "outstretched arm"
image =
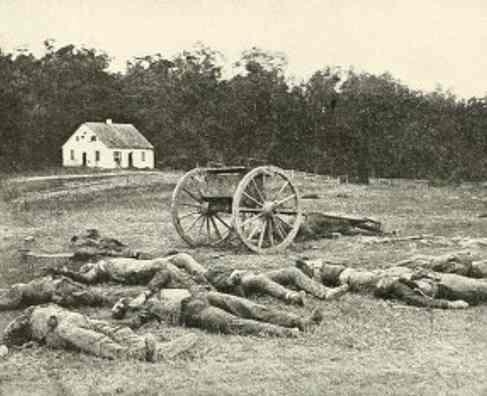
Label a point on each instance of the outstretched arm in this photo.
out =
(187, 263)
(89, 277)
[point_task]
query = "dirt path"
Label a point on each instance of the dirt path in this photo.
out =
(81, 176)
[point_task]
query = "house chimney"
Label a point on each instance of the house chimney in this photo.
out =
(109, 121)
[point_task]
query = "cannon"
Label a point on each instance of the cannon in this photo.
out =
(258, 206)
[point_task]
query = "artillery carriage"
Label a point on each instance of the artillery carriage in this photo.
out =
(260, 207)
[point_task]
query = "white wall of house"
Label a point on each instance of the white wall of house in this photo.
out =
(84, 145)
(140, 158)
(85, 141)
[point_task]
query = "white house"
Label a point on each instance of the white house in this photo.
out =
(108, 145)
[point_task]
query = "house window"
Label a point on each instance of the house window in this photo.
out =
(142, 156)
(97, 156)
(117, 157)
(72, 155)
(77, 138)
(93, 138)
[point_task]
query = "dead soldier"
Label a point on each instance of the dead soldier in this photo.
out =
(461, 263)
(419, 288)
(274, 283)
(166, 272)
(318, 225)
(212, 311)
(59, 328)
(139, 272)
(60, 290)
(90, 245)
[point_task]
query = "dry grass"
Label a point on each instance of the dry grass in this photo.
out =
(365, 346)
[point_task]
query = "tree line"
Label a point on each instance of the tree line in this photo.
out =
(339, 121)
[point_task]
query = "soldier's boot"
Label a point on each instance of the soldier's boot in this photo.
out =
(314, 319)
(150, 348)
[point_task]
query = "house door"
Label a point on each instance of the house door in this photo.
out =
(83, 156)
(131, 160)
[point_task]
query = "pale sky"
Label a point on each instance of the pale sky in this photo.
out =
(421, 42)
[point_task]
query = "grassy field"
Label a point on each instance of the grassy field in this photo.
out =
(364, 346)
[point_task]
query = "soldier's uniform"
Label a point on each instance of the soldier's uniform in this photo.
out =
(461, 263)
(60, 290)
(246, 283)
(183, 271)
(415, 287)
(210, 310)
(178, 268)
(90, 245)
(318, 225)
(57, 327)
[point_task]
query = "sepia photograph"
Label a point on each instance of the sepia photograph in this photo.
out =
(243, 197)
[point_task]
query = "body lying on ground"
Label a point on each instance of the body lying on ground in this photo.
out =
(90, 245)
(274, 282)
(138, 272)
(461, 263)
(60, 328)
(60, 290)
(212, 311)
(416, 287)
(318, 225)
(181, 270)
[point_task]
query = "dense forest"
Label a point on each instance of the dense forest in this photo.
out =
(340, 121)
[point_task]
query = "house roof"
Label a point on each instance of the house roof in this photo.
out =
(122, 136)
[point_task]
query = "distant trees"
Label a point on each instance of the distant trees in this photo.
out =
(176, 102)
(337, 122)
(49, 98)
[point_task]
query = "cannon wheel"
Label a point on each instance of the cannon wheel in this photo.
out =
(266, 210)
(192, 216)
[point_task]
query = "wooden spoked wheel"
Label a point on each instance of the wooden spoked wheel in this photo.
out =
(199, 221)
(266, 210)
